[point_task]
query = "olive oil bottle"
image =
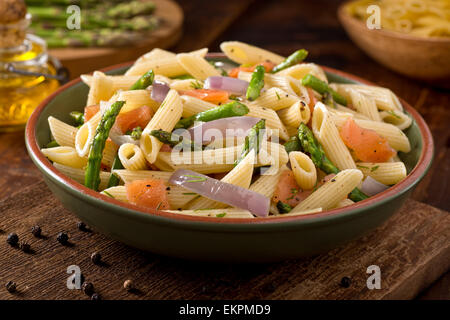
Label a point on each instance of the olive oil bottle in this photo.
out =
(27, 74)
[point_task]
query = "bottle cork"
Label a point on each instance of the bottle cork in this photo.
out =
(13, 22)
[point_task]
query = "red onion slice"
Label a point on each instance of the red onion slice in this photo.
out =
(119, 138)
(220, 191)
(232, 85)
(207, 132)
(159, 91)
(371, 187)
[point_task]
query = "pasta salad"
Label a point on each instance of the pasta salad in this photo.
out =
(268, 136)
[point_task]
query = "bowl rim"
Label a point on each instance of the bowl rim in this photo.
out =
(209, 223)
(344, 15)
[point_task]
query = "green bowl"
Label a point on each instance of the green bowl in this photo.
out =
(212, 239)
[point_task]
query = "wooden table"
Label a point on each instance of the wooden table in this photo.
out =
(281, 26)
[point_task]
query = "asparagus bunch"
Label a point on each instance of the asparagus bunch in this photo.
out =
(252, 140)
(112, 23)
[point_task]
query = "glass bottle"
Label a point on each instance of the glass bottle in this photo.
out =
(27, 74)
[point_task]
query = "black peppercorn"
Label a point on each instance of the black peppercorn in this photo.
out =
(11, 286)
(128, 285)
(345, 282)
(62, 238)
(88, 288)
(96, 257)
(25, 246)
(36, 231)
(12, 239)
(95, 296)
(82, 226)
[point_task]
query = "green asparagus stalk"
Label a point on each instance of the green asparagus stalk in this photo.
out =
(131, 9)
(252, 140)
(144, 81)
(283, 207)
(256, 83)
(231, 109)
(297, 57)
(78, 117)
(320, 160)
(92, 174)
(293, 144)
(114, 180)
(173, 139)
(52, 144)
(322, 87)
(136, 133)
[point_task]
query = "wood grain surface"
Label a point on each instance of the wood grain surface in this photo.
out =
(282, 26)
(412, 249)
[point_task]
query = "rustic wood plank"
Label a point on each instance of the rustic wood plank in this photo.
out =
(412, 250)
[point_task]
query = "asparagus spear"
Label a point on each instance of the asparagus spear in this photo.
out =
(136, 133)
(256, 83)
(52, 144)
(231, 109)
(131, 9)
(173, 139)
(78, 117)
(297, 57)
(322, 87)
(92, 174)
(283, 207)
(314, 148)
(293, 144)
(114, 180)
(144, 81)
(252, 140)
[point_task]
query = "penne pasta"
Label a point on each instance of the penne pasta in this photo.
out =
(66, 156)
(63, 133)
(243, 53)
(78, 174)
(131, 157)
(385, 172)
(332, 192)
(364, 105)
(304, 170)
(294, 115)
(101, 88)
(275, 99)
(327, 134)
(197, 66)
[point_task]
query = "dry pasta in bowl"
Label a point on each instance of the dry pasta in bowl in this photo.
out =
(269, 137)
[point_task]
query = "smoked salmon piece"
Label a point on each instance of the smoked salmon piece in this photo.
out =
(139, 117)
(150, 193)
(90, 111)
(367, 145)
(209, 95)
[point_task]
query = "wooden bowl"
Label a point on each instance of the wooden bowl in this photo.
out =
(416, 57)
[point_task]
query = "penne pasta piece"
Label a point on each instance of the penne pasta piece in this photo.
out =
(344, 203)
(266, 184)
(78, 174)
(85, 135)
(344, 111)
(118, 82)
(298, 71)
(365, 105)
(109, 153)
(197, 66)
(275, 99)
(66, 156)
(188, 84)
(241, 176)
(135, 99)
(294, 115)
(155, 54)
(243, 53)
(101, 88)
(398, 119)
(298, 213)
(384, 98)
(132, 157)
(63, 133)
(131, 175)
(168, 67)
(395, 137)
(165, 118)
(222, 160)
(332, 192)
(327, 134)
(304, 170)
(118, 193)
(385, 172)
(215, 213)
